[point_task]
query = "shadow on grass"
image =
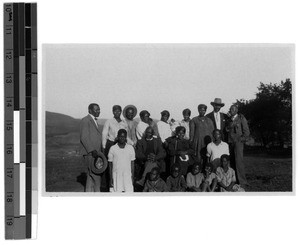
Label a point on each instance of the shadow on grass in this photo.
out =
(82, 179)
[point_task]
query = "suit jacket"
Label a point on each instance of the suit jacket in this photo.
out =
(90, 135)
(238, 129)
(224, 118)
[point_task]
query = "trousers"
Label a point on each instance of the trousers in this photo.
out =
(93, 181)
(236, 161)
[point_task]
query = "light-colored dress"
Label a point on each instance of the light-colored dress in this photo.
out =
(187, 128)
(201, 129)
(121, 163)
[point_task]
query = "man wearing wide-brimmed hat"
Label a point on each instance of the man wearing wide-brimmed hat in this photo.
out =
(219, 119)
(129, 114)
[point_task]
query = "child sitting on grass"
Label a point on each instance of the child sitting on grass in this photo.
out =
(210, 179)
(226, 176)
(195, 178)
(176, 181)
(154, 183)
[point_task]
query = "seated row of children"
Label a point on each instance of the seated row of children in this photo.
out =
(223, 179)
(121, 161)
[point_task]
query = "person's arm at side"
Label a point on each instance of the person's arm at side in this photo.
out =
(192, 130)
(246, 130)
(110, 165)
(85, 137)
(105, 133)
(214, 184)
(208, 152)
(183, 185)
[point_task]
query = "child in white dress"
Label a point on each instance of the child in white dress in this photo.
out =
(121, 158)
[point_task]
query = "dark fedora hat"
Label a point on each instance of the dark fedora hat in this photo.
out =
(131, 107)
(99, 164)
(217, 101)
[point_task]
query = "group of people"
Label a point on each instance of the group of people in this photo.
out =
(200, 154)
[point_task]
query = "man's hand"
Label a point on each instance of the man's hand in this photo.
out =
(94, 154)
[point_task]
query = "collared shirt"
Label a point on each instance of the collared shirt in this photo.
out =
(140, 129)
(164, 130)
(216, 151)
(94, 119)
(194, 180)
(111, 128)
(217, 119)
(226, 177)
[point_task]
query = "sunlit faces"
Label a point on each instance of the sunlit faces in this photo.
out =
(154, 174)
(217, 107)
(122, 138)
(196, 169)
(95, 111)
(225, 162)
(217, 135)
(146, 118)
(180, 133)
(129, 114)
(233, 110)
(165, 117)
(175, 172)
(149, 132)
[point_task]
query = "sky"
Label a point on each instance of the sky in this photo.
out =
(157, 77)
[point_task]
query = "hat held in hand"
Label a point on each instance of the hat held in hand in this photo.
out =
(99, 164)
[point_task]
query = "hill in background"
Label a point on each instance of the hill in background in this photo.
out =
(63, 130)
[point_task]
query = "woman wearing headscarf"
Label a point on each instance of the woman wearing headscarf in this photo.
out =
(201, 128)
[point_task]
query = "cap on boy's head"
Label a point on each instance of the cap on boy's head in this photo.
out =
(122, 131)
(117, 107)
(202, 106)
(143, 113)
(186, 111)
(165, 112)
(225, 156)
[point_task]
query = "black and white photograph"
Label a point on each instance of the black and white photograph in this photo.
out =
(158, 122)
(171, 118)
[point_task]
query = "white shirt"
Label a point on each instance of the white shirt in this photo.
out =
(216, 151)
(140, 129)
(217, 119)
(94, 119)
(110, 130)
(187, 128)
(164, 130)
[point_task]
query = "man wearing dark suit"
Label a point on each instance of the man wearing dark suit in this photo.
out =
(90, 139)
(238, 134)
(219, 119)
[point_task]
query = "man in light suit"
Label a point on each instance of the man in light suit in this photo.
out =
(90, 139)
(238, 134)
(219, 119)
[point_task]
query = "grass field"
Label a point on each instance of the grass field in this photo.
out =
(65, 171)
